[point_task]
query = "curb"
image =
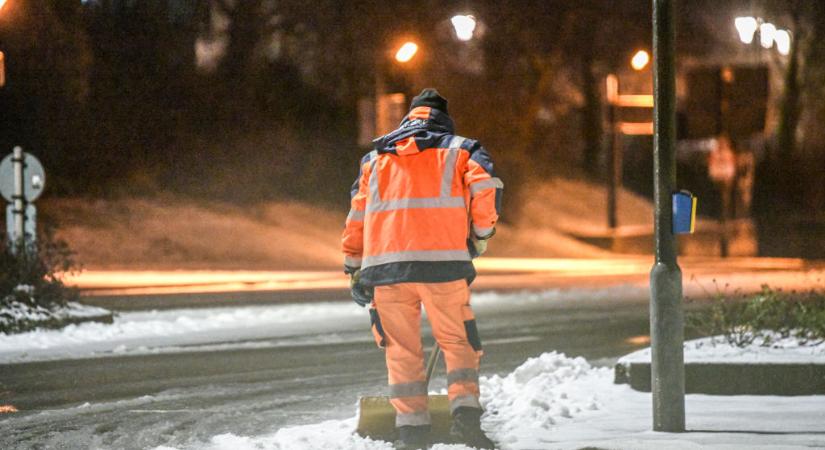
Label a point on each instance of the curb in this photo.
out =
(734, 378)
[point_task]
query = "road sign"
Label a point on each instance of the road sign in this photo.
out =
(30, 222)
(34, 178)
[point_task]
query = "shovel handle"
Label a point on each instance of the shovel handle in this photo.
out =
(431, 363)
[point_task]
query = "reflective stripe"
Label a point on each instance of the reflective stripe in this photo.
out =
(449, 166)
(375, 197)
(470, 401)
(482, 232)
(355, 215)
(415, 419)
(443, 201)
(413, 389)
(352, 261)
(417, 255)
(454, 376)
(486, 184)
(410, 203)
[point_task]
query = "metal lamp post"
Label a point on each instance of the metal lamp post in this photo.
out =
(666, 315)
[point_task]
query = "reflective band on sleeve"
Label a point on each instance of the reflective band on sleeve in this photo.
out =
(449, 166)
(417, 255)
(411, 203)
(414, 419)
(454, 376)
(482, 232)
(470, 401)
(354, 215)
(486, 184)
(416, 388)
(352, 261)
(375, 196)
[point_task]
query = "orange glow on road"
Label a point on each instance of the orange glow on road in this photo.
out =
(494, 273)
(6, 409)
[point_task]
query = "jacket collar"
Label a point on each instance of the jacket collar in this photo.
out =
(427, 127)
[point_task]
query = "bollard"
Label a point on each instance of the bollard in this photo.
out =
(666, 315)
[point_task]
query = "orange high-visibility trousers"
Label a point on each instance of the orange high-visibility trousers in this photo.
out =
(453, 324)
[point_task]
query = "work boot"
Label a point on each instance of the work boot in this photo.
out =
(467, 430)
(412, 437)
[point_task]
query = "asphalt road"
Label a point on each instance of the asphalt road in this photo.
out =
(182, 399)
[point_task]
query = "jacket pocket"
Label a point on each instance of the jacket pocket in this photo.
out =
(377, 329)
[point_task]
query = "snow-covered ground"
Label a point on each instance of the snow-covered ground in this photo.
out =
(716, 349)
(196, 329)
(15, 312)
(553, 401)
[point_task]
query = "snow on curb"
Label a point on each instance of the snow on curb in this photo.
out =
(16, 314)
(716, 349)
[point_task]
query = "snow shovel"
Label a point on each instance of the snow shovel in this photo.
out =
(377, 416)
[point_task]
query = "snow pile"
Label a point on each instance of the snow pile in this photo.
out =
(716, 349)
(538, 394)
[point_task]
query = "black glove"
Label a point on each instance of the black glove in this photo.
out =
(362, 295)
(477, 246)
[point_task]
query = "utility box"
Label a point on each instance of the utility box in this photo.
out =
(684, 212)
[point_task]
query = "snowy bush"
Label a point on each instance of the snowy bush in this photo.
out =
(764, 317)
(29, 285)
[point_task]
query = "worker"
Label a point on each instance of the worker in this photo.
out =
(425, 203)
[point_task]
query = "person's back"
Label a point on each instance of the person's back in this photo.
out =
(423, 206)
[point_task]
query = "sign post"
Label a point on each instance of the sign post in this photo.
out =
(666, 315)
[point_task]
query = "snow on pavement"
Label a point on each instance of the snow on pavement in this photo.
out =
(716, 349)
(145, 331)
(556, 402)
(190, 329)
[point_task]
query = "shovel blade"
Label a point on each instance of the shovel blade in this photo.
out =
(376, 419)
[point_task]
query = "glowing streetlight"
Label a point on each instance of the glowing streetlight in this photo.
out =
(406, 52)
(464, 26)
(783, 42)
(640, 60)
(746, 27)
(2, 3)
(767, 33)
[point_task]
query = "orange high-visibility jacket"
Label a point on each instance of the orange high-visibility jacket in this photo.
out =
(419, 195)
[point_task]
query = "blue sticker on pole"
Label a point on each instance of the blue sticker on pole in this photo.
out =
(684, 212)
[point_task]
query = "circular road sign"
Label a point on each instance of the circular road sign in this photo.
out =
(34, 178)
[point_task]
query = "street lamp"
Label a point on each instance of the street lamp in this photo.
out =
(640, 60)
(767, 32)
(783, 42)
(406, 52)
(746, 27)
(464, 26)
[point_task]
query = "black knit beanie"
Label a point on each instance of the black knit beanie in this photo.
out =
(430, 97)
